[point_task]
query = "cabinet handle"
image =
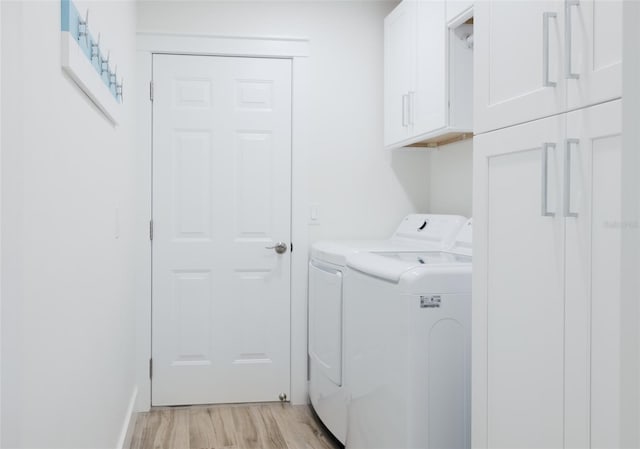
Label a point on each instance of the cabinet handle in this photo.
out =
(567, 177)
(545, 178)
(545, 48)
(411, 108)
(567, 39)
(405, 99)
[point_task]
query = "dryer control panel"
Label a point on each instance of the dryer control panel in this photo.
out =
(430, 228)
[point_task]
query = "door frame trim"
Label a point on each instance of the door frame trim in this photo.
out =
(296, 49)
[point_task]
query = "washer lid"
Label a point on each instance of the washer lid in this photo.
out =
(392, 266)
(336, 252)
(416, 232)
(428, 258)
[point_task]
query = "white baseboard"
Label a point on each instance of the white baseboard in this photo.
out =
(124, 442)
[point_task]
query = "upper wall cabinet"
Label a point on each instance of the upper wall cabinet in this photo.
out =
(428, 70)
(538, 58)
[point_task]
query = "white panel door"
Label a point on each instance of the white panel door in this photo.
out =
(518, 53)
(399, 70)
(518, 310)
(593, 63)
(221, 195)
(593, 238)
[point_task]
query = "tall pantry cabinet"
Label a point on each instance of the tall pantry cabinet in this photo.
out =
(547, 164)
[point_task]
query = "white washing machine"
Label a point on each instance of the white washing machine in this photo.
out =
(408, 346)
(326, 304)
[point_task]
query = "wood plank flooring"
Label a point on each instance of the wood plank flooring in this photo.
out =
(241, 426)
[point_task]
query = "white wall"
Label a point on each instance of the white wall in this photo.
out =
(361, 189)
(68, 326)
(450, 178)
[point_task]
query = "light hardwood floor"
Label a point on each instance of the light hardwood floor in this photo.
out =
(242, 426)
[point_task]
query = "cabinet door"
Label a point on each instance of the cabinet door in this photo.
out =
(593, 237)
(518, 304)
(518, 62)
(428, 100)
(593, 58)
(399, 70)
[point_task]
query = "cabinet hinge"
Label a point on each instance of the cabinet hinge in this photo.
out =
(151, 90)
(291, 246)
(150, 229)
(150, 368)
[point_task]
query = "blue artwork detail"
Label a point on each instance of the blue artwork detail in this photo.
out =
(77, 26)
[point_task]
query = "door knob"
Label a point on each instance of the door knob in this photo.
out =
(280, 247)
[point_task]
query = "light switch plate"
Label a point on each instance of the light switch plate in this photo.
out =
(314, 214)
(117, 223)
